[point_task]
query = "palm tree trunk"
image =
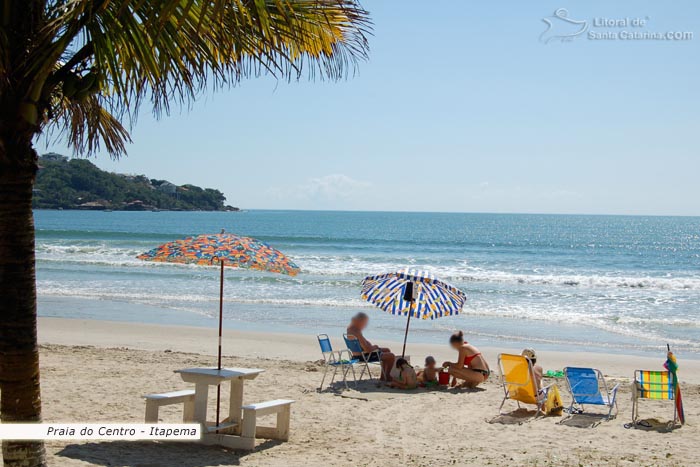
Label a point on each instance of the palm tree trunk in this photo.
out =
(20, 397)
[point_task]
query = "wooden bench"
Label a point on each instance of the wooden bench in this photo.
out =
(155, 401)
(281, 407)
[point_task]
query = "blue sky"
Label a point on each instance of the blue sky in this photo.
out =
(461, 107)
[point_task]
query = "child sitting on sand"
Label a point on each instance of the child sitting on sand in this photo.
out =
(429, 374)
(407, 376)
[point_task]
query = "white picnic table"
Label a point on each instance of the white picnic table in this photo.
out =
(209, 376)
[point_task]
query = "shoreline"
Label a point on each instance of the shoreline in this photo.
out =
(304, 347)
(582, 292)
(559, 338)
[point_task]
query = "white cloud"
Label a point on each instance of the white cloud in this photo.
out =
(332, 188)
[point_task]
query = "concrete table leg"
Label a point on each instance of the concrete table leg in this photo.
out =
(235, 404)
(201, 398)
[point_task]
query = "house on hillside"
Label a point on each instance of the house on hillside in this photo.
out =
(93, 206)
(167, 187)
(137, 205)
(54, 157)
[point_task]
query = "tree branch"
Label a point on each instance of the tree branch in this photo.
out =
(85, 52)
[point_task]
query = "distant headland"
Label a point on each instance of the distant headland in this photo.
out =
(64, 183)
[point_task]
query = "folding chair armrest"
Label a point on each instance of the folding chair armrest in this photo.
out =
(346, 352)
(613, 391)
(542, 393)
(366, 355)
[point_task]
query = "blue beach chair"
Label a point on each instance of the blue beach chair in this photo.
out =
(366, 358)
(588, 387)
(338, 360)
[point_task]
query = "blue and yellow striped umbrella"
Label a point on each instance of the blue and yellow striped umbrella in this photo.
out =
(432, 298)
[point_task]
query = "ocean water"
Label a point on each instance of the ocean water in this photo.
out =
(629, 284)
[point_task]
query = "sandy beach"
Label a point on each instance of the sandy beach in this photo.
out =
(480, 206)
(98, 371)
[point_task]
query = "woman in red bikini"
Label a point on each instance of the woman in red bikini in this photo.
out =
(471, 366)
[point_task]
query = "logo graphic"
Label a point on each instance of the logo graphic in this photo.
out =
(562, 28)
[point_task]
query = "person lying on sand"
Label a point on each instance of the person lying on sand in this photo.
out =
(471, 366)
(429, 374)
(358, 324)
(407, 376)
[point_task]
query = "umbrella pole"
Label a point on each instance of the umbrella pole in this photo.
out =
(221, 310)
(405, 336)
(221, 323)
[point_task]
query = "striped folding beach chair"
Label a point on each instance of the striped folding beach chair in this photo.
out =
(655, 385)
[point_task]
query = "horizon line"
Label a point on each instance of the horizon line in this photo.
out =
(385, 211)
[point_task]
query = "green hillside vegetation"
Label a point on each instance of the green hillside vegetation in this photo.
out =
(64, 183)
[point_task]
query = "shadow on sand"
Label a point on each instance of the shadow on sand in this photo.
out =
(156, 454)
(516, 417)
(583, 420)
(653, 424)
(368, 390)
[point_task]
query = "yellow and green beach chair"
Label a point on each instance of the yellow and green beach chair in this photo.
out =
(654, 385)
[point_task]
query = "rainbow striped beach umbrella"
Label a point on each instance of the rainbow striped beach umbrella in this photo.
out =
(222, 249)
(413, 293)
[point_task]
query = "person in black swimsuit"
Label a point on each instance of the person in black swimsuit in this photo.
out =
(471, 367)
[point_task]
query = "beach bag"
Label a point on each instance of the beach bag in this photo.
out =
(553, 405)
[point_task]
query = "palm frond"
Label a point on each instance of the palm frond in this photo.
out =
(168, 51)
(88, 126)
